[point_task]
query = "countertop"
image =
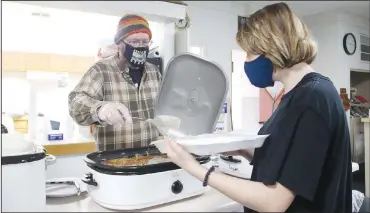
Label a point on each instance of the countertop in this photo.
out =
(210, 201)
(64, 142)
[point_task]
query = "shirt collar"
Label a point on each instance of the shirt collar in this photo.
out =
(116, 61)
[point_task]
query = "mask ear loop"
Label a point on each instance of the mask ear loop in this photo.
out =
(274, 101)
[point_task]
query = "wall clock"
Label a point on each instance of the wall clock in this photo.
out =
(183, 23)
(349, 44)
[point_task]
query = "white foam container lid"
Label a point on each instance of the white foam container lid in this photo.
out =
(208, 144)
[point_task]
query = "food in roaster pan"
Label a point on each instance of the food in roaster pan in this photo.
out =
(138, 160)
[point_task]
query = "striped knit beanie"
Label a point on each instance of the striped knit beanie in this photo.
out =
(131, 24)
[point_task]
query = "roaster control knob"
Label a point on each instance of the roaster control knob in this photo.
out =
(176, 187)
(88, 176)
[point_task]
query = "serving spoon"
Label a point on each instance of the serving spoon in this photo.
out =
(168, 128)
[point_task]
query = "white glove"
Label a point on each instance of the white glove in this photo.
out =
(115, 114)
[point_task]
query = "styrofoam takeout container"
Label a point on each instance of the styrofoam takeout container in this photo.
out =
(209, 144)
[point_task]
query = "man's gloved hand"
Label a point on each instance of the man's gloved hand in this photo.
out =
(114, 114)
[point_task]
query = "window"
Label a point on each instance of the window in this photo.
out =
(365, 48)
(60, 31)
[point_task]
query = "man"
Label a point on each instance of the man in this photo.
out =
(118, 89)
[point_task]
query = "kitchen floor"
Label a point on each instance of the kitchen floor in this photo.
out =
(358, 181)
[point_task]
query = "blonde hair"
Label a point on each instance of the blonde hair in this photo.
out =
(277, 33)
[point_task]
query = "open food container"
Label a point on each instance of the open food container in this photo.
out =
(194, 90)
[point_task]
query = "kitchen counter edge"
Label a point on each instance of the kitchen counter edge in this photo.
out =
(72, 148)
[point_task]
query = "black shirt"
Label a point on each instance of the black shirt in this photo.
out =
(308, 150)
(136, 75)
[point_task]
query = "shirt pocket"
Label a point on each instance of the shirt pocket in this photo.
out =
(119, 92)
(152, 86)
(150, 92)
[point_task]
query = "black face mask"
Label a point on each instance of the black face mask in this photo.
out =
(136, 57)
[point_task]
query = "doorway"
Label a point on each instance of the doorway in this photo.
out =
(244, 97)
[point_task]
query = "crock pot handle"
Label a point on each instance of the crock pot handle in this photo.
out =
(50, 159)
(230, 159)
(89, 180)
(89, 161)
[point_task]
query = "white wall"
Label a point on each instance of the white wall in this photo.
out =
(356, 25)
(329, 29)
(213, 27)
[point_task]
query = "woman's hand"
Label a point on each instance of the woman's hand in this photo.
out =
(179, 155)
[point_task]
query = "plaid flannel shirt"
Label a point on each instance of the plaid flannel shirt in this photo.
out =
(105, 82)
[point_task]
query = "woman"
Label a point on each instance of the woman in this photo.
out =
(305, 163)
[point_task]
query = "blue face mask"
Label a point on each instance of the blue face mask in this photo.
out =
(259, 72)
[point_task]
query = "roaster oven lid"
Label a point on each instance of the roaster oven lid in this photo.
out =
(96, 161)
(22, 158)
(16, 149)
(194, 90)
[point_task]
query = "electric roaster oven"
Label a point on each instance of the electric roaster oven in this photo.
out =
(193, 90)
(23, 165)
